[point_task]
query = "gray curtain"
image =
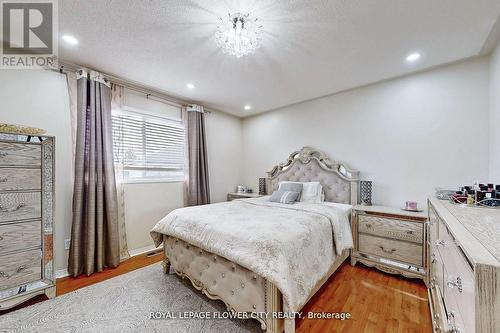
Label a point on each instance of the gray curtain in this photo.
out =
(198, 189)
(94, 232)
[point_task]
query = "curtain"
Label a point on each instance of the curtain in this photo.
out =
(116, 104)
(94, 231)
(198, 190)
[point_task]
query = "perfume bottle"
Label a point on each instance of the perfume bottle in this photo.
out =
(470, 199)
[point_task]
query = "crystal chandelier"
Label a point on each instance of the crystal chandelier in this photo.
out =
(238, 34)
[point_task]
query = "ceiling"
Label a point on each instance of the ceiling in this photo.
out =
(310, 48)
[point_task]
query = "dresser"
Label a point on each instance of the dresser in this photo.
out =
(390, 239)
(26, 218)
(464, 269)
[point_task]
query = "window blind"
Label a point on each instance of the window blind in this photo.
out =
(148, 146)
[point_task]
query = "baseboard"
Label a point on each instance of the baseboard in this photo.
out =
(142, 250)
(61, 273)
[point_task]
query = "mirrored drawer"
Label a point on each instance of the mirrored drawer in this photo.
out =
(391, 228)
(392, 249)
(20, 268)
(20, 154)
(18, 236)
(20, 206)
(20, 179)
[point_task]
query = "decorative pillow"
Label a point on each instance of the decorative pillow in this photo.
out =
(293, 187)
(286, 197)
(311, 191)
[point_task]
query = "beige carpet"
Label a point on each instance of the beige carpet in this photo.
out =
(124, 304)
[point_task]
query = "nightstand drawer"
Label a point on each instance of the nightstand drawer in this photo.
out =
(391, 228)
(392, 249)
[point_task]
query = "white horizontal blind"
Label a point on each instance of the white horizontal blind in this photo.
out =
(148, 147)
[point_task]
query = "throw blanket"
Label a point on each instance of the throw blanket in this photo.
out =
(293, 246)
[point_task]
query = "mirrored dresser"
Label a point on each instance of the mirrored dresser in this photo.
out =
(26, 218)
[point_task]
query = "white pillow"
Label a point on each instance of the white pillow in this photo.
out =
(312, 192)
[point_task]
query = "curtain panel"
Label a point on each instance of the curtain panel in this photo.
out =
(198, 189)
(94, 233)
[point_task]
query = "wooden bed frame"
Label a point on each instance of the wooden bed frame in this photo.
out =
(256, 295)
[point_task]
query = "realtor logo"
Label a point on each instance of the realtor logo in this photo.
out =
(29, 34)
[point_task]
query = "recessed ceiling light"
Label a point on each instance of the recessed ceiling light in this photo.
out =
(190, 86)
(70, 39)
(413, 57)
(247, 107)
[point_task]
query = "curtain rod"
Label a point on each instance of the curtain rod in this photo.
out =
(129, 84)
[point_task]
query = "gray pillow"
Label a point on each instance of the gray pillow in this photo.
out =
(294, 187)
(286, 197)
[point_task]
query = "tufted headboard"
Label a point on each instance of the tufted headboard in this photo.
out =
(340, 183)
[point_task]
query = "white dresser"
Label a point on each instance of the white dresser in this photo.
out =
(464, 268)
(26, 218)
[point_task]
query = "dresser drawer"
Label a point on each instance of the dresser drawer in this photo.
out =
(20, 206)
(20, 268)
(20, 154)
(18, 236)
(391, 249)
(391, 228)
(459, 284)
(20, 179)
(454, 315)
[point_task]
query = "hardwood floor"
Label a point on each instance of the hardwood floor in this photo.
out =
(68, 284)
(377, 302)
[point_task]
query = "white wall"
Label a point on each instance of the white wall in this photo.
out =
(495, 116)
(40, 98)
(146, 204)
(408, 135)
(224, 145)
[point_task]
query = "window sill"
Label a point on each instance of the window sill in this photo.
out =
(151, 181)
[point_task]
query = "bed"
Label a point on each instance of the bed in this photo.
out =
(260, 257)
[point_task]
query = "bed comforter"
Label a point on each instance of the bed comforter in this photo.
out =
(293, 246)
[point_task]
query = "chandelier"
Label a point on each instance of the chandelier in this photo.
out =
(238, 34)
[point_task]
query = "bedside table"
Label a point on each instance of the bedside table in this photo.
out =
(390, 239)
(242, 195)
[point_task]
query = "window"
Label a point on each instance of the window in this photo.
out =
(148, 147)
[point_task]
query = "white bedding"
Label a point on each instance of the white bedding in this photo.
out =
(293, 246)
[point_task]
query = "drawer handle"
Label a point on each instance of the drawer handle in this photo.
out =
(455, 284)
(440, 242)
(452, 322)
(389, 251)
(368, 225)
(20, 269)
(12, 209)
(409, 232)
(3, 180)
(3, 154)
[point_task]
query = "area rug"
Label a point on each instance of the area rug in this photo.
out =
(125, 304)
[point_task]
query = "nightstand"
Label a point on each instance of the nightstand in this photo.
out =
(390, 239)
(242, 195)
